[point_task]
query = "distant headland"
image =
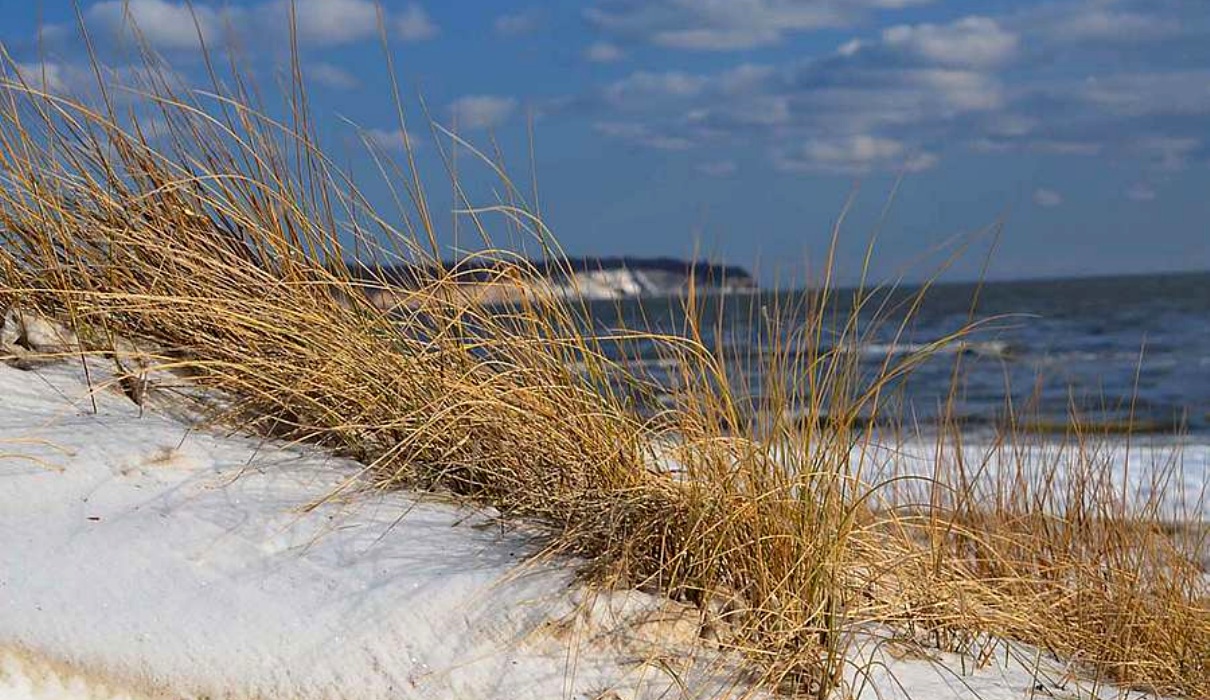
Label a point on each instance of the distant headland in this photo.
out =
(592, 278)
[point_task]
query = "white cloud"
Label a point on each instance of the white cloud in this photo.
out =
(986, 145)
(850, 47)
(603, 52)
(339, 22)
(853, 154)
(919, 162)
(48, 76)
(753, 110)
(1138, 94)
(53, 34)
(482, 111)
(1098, 23)
(164, 25)
(638, 89)
(744, 78)
(961, 90)
(1157, 152)
(390, 139)
(1046, 198)
(1066, 148)
(1010, 124)
(517, 24)
(723, 25)
(332, 76)
(866, 88)
(641, 135)
(414, 24)
(718, 39)
(327, 22)
(895, 98)
(176, 25)
(1045, 146)
(720, 168)
(1141, 192)
(870, 102)
(972, 41)
(80, 79)
(828, 100)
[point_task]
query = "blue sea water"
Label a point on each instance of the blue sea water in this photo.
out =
(1109, 350)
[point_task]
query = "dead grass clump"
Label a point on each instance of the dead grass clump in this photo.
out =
(1086, 568)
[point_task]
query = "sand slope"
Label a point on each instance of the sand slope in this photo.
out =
(171, 559)
(142, 556)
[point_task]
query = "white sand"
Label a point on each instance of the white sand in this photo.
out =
(140, 557)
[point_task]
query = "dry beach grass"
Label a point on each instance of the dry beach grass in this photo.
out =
(194, 221)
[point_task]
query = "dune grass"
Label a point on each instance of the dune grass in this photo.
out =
(195, 222)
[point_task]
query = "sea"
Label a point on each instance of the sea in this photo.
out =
(1121, 354)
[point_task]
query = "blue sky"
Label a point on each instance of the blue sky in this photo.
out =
(741, 126)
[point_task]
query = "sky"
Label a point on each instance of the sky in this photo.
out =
(744, 130)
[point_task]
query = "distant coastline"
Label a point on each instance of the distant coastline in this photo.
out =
(589, 278)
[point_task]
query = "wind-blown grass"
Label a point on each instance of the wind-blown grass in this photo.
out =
(222, 240)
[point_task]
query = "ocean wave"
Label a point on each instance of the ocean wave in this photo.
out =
(988, 348)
